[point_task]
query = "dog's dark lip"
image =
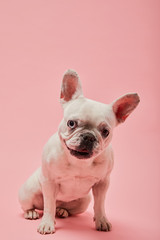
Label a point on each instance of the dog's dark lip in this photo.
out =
(83, 154)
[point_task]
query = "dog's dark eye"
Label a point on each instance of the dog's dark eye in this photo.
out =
(72, 124)
(105, 133)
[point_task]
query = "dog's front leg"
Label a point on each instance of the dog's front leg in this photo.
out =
(99, 192)
(49, 190)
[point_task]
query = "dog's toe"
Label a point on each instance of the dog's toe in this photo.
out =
(103, 224)
(62, 213)
(46, 227)
(31, 214)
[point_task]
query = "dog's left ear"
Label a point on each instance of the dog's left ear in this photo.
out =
(123, 106)
(71, 86)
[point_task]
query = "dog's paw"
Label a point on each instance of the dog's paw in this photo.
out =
(62, 213)
(31, 214)
(102, 224)
(46, 227)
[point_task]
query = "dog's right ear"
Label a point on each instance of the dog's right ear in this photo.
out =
(71, 86)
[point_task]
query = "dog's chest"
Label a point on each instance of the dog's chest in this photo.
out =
(75, 187)
(76, 183)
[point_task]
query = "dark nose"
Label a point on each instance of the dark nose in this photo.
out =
(88, 138)
(87, 142)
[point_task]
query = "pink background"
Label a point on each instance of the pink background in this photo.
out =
(114, 46)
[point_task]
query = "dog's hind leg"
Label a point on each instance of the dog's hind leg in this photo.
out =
(30, 197)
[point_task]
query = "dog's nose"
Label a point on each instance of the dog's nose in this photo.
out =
(87, 142)
(89, 137)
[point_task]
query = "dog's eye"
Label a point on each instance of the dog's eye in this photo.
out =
(105, 133)
(72, 124)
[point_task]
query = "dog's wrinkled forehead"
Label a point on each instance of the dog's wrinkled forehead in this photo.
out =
(90, 112)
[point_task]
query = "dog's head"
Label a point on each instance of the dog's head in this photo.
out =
(87, 126)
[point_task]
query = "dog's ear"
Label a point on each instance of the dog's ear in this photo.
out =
(71, 86)
(123, 106)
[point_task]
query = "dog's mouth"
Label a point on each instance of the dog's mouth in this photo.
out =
(81, 154)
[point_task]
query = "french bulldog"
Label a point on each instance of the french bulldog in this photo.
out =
(76, 159)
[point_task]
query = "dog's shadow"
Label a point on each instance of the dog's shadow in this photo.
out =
(75, 223)
(84, 226)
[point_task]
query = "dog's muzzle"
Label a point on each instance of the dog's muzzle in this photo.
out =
(85, 149)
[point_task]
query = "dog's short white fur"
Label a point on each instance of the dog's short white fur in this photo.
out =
(77, 159)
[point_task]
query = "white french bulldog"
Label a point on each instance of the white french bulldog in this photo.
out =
(76, 159)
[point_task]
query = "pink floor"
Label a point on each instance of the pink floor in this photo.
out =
(114, 46)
